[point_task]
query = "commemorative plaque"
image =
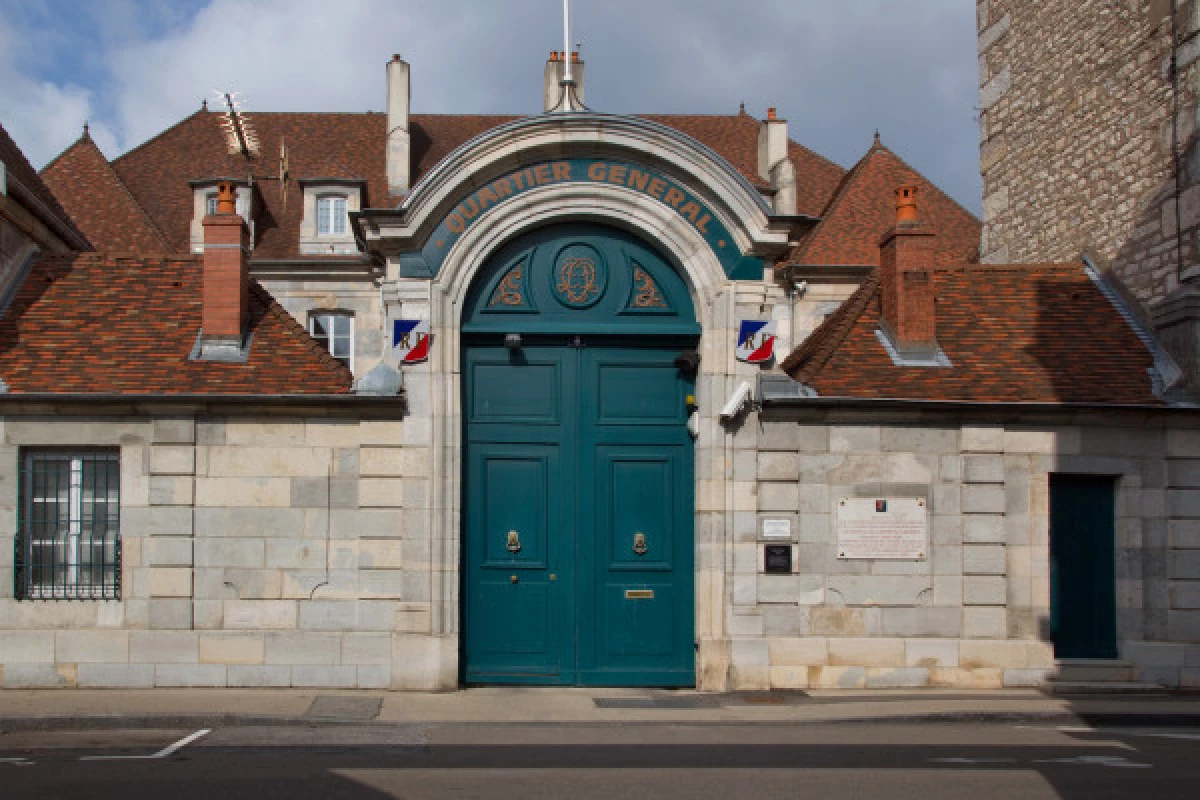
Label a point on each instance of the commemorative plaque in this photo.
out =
(882, 527)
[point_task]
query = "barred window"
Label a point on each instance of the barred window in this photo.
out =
(69, 541)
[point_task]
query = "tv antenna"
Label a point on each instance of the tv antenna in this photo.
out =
(241, 138)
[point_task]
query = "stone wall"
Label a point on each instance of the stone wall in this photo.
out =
(976, 611)
(1075, 115)
(359, 297)
(256, 552)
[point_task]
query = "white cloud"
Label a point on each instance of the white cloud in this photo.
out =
(43, 118)
(836, 71)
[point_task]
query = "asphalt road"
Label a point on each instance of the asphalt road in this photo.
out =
(605, 761)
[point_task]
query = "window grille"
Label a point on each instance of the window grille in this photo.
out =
(68, 545)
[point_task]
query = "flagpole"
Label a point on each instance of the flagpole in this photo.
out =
(567, 78)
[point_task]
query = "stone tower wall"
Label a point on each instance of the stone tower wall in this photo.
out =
(1076, 108)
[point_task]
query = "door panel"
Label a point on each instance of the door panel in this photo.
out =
(1082, 570)
(519, 624)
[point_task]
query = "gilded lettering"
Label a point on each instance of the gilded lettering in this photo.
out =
(503, 188)
(657, 187)
(690, 210)
(638, 179)
(455, 224)
(542, 171)
(674, 197)
(616, 173)
(487, 197)
(702, 225)
(519, 180)
(403, 341)
(470, 207)
(597, 171)
(562, 170)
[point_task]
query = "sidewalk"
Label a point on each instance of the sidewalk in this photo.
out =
(86, 709)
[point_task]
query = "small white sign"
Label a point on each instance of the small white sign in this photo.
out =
(777, 529)
(882, 527)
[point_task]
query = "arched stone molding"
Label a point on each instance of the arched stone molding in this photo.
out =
(436, 392)
(737, 204)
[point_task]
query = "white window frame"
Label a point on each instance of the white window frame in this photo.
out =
(330, 340)
(335, 218)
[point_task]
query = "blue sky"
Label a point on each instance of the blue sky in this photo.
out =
(836, 71)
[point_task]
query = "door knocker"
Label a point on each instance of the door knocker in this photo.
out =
(639, 543)
(514, 542)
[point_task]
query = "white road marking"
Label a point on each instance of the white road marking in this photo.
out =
(1190, 735)
(1095, 761)
(166, 751)
(16, 762)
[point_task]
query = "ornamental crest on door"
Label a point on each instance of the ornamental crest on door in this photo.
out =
(579, 276)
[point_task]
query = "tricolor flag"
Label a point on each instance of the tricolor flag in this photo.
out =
(756, 341)
(410, 337)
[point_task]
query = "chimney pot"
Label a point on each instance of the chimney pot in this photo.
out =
(906, 205)
(575, 57)
(771, 113)
(226, 197)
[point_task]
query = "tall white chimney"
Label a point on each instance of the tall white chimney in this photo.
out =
(774, 166)
(399, 97)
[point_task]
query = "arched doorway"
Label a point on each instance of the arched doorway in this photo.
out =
(578, 540)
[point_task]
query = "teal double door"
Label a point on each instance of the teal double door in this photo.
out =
(579, 534)
(578, 497)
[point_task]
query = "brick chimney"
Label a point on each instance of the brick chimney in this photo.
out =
(226, 280)
(906, 259)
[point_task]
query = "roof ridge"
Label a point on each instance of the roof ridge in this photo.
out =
(163, 133)
(838, 195)
(67, 149)
(884, 148)
(820, 345)
(157, 231)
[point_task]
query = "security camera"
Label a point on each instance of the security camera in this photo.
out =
(738, 403)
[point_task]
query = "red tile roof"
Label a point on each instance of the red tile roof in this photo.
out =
(735, 138)
(41, 201)
(1013, 333)
(100, 203)
(95, 324)
(863, 207)
(157, 172)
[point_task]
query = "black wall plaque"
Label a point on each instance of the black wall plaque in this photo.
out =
(777, 559)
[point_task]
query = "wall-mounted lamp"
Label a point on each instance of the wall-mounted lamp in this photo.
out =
(512, 341)
(688, 362)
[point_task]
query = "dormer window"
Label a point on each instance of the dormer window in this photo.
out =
(331, 215)
(325, 225)
(210, 205)
(204, 202)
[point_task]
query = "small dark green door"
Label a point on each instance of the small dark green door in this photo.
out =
(578, 471)
(1082, 577)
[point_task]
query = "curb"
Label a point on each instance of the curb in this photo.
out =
(62, 723)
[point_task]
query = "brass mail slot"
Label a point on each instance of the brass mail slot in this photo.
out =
(639, 594)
